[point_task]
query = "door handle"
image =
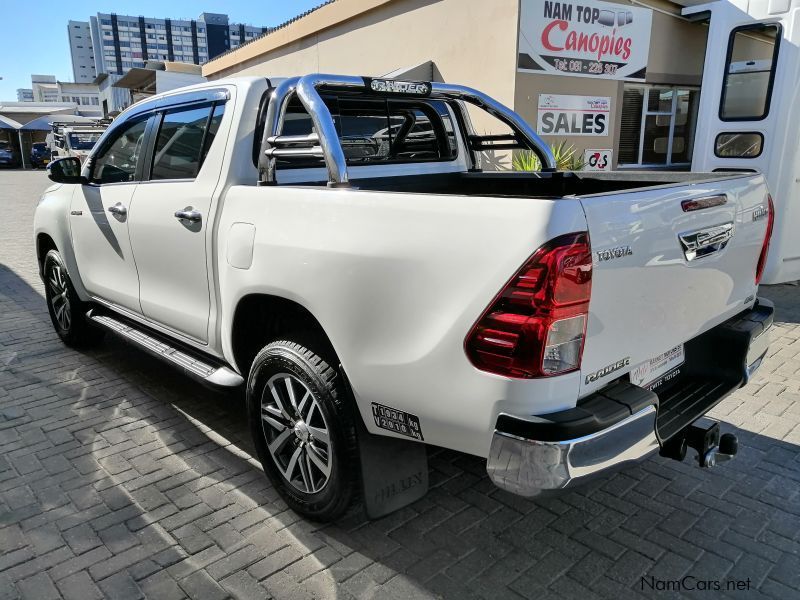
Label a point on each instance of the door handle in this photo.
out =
(118, 210)
(188, 214)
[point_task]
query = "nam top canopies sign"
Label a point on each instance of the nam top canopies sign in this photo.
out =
(584, 39)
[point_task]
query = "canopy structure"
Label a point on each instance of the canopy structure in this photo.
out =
(43, 123)
(6, 123)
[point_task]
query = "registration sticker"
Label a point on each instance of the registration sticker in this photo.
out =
(649, 372)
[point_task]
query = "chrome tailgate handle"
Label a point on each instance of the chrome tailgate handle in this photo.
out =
(704, 242)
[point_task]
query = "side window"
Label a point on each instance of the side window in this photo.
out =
(117, 161)
(179, 148)
(213, 128)
(749, 73)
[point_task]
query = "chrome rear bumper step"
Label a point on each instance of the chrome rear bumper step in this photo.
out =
(191, 363)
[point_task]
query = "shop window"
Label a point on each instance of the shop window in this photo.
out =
(657, 126)
(749, 72)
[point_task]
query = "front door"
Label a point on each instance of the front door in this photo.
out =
(169, 224)
(99, 215)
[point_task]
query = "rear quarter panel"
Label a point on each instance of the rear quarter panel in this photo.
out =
(397, 281)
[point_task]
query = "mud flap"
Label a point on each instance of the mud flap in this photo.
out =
(394, 472)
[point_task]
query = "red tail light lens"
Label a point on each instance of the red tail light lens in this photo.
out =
(762, 259)
(536, 325)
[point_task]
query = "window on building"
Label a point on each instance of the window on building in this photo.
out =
(749, 72)
(658, 124)
(96, 101)
(182, 142)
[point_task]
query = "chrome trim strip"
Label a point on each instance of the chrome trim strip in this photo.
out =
(532, 467)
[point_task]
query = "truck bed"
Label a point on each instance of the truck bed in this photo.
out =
(532, 184)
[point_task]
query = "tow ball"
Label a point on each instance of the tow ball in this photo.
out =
(703, 436)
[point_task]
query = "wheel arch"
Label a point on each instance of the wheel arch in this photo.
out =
(263, 318)
(44, 243)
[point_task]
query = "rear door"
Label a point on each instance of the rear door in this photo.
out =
(669, 263)
(170, 219)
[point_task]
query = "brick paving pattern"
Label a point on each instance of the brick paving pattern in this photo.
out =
(120, 478)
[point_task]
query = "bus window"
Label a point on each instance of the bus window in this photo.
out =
(749, 72)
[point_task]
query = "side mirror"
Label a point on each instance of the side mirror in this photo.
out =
(66, 170)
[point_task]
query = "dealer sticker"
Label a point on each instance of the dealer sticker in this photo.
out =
(397, 421)
(652, 370)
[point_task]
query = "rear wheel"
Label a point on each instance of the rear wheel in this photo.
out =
(67, 312)
(303, 429)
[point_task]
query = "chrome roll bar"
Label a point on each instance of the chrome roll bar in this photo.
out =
(306, 89)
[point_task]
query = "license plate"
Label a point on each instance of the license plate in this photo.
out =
(650, 373)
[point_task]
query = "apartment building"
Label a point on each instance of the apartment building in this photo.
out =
(113, 44)
(82, 51)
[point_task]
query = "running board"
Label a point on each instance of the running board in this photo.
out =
(214, 375)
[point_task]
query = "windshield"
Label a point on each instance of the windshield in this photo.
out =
(83, 141)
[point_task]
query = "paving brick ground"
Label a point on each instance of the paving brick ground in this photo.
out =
(121, 479)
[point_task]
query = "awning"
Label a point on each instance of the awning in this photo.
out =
(43, 123)
(138, 80)
(6, 123)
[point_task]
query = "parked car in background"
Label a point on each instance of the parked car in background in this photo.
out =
(8, 155)
(69, 139)
(40, 155)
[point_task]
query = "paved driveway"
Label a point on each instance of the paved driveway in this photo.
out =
(120, 478)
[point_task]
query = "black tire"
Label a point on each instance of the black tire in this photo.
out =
(307, 373)
(67, 311)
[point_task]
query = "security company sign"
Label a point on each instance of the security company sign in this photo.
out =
(584, 39)
(596, 160)
(573, 115)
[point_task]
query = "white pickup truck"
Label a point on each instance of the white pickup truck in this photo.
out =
(332, 244)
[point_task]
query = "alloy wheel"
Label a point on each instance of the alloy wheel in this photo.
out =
(297, 434)
(59, 298)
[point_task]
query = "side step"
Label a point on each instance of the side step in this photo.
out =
(191, 363)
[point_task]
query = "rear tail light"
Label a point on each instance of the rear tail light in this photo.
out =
(762, 259)
(536, 325)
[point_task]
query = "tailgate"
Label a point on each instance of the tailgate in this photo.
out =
(666, 270)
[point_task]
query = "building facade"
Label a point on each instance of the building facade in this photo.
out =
(86, 97)
(117, 43)
(44, 88)
(24, 95)
(616, 80)
(82, 51)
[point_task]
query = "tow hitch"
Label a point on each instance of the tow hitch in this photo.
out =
(703, 436)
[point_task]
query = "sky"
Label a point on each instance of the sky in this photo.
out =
(33, 33)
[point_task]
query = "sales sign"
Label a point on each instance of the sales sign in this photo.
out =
(573, 115)
(584, 39)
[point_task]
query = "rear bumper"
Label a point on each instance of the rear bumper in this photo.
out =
(624, 423)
